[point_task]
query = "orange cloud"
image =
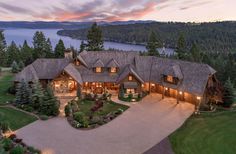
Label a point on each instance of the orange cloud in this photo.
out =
(71, 16)
(134, 14)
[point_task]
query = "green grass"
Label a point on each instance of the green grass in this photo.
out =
(206, 134)
(16, 119)
(108, 107)
(5, 82)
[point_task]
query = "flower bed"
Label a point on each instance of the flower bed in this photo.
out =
(93, 112)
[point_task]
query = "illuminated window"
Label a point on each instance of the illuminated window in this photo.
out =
(77, 63)
(98, 69)
(130, 91)
(113, 70)
(130, 78)
(170, 78)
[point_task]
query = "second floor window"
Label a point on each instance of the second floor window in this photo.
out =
(170, 79)
(98, 70)
(130, 78)
(113, 70)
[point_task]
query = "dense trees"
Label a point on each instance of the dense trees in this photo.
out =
(218, 36)
(94, 38)
(25, 55)
(37, 99)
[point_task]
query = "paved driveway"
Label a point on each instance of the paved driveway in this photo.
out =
(139, 128)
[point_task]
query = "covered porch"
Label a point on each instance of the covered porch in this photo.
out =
(100, 87)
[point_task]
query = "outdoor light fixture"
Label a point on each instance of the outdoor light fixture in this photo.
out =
(180, 92)
(152, 84)
(142, 85)
(198, 98)
(166, 88)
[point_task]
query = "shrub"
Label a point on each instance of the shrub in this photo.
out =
(89, 97)
(74, 106)
(130, 96)
(11, 90)
(7, 144)
(33, 150)
(43, 117)
(229, 96)
(68, 110)
(79, 116)
(17, 150)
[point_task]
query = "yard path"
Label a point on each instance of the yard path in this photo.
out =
(138, 129)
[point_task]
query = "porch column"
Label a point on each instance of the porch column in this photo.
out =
(177, 97)
(163, 92)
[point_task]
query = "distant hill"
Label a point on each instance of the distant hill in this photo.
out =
(217, 36)
(60, 25)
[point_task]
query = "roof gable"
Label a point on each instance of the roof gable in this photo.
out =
(112, 63)
(74, 73)
(98, 63)
(129, 70)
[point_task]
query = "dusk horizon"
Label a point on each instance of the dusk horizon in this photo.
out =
(110, 11)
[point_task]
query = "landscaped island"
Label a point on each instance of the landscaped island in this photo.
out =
(92, 112)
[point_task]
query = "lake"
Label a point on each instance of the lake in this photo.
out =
(19, 35)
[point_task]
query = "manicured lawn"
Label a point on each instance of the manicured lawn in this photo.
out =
(214, 133)
(5, 82)
(16, 119)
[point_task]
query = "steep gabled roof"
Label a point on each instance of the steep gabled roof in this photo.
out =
(74, 73)
(129, 70)
(49, 68)
(174, 70)
(112, 63)
(98, 63)
(27, 74)
(82, 60)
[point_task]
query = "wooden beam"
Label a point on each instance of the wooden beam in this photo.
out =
(177, 96)
(163, 92)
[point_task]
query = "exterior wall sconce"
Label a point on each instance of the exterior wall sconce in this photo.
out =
(152, 84)
(142, 85)
(166, 88)
(180, 92)
(198, 98)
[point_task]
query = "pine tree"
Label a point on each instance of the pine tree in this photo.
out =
(37, 95)
(49, 49)
(229, 95)
(14, 67)
(50, 105)
(13, 53)
(3, 45)
(82, 46)
(196, 54)
(21, 65)
(59, 49)
(95, 41)
(153, 44)
(26, 53)
(22, 93)
(181, 47)
(40, 45)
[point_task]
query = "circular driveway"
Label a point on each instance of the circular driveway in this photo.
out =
(138, 129)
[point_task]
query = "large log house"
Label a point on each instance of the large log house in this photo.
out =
(97, 72)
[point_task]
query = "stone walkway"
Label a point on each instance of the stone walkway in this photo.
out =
(137, 130)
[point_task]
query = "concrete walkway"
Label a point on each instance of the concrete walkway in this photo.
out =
(138, 129)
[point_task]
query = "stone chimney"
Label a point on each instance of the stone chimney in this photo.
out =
(68, 54)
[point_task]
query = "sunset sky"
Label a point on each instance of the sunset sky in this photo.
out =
(117, 10)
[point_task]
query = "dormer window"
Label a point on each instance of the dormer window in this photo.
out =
(77, 62)
(113, 69)
(130, 78)
(98, 69)
(170, 79)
